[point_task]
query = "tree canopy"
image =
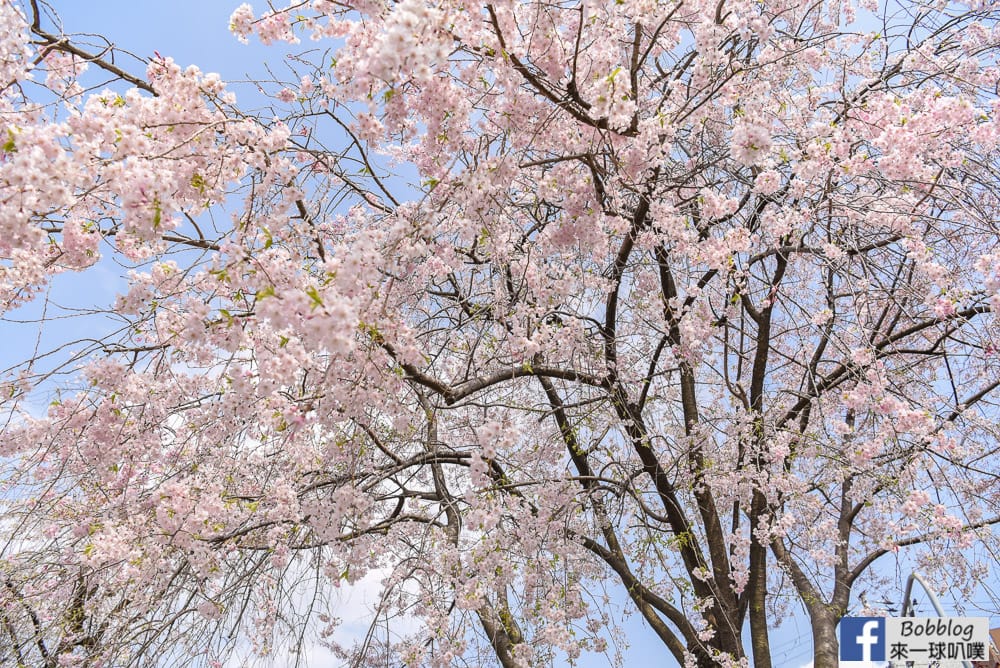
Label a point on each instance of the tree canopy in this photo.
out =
(541, 312)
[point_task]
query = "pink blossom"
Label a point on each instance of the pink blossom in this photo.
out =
(767, 182)
(751, 142)
(240, 21)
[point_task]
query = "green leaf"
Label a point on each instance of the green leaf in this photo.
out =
(198, 183)
(314, 295)
(10, 146)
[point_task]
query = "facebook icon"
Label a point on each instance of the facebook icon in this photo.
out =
(862, 639)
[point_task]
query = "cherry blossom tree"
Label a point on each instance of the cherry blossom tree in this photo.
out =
(536, 313)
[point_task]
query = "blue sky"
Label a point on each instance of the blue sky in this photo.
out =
(191, 31)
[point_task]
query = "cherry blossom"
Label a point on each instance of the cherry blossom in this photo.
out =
(534, 316)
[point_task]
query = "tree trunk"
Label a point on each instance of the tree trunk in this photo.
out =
(759, 642)
(826, 649)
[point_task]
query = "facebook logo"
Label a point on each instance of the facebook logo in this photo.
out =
(862, 639)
